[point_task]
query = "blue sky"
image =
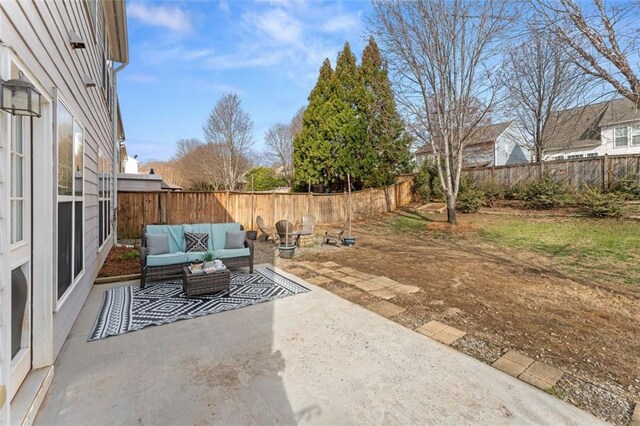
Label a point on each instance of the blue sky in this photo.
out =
(184, 55)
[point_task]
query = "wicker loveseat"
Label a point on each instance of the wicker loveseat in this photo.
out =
(171, 263)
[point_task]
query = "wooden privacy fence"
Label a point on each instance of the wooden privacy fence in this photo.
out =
(599, 172)
(136, 209)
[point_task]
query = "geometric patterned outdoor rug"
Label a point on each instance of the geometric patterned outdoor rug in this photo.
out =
(132, 308)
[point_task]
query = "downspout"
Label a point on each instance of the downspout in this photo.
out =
(116, 151)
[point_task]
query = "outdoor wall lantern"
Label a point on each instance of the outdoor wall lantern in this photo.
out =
(19, 97)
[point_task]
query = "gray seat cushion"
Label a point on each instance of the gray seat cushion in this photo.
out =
(234, 240)
(157, 243)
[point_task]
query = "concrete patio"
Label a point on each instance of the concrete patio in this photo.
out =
(313, 358)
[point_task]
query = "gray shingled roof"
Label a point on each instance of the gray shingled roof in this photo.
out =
(489, 133)
(579, 127)
(482, 135)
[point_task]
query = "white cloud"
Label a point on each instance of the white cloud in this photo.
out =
(171, 18)
(279, 26)
(234, 61)
(342, 23)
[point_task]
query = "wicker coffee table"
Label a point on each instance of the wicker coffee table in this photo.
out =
(206, 282)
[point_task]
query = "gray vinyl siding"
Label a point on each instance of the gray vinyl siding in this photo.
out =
(37, 31)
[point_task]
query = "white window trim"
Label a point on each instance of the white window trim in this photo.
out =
(25, 181)
(60, 301)
(630, 143)
(108, 182)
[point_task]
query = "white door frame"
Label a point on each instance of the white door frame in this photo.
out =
(42, 165)
(20, 250)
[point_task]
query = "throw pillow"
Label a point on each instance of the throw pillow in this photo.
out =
(234, 240)
(157, 243)
(196, 242)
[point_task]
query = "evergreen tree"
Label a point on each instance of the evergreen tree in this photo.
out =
(385, 129)
(311, 147)
(351, 151)
(351, 126)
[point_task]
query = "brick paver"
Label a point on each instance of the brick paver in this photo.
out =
(369, 285)
(513, 363)
(348, 293)
(384, 293)
(386, 309)
(405, 289)
(335, 275)
(348, 279)
(441, 332)
(541, 375)
(319, 280)
(431, 328)
(448, 335)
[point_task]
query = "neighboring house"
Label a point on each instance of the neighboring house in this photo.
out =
(611, 127)
(56, 188)
(494, 145)
(131, 165)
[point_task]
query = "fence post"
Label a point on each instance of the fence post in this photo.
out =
(344, 207)
(605, 172)
(273, 205)
(227, 208)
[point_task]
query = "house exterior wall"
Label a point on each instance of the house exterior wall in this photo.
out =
(511, 147)
(34, 35)
(477, 155)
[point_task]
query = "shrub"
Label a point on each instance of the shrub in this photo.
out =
(515, 192)
(545, 193)
(602, 204)
(629, 187)
(492, 192)
(470, 199)
(426, 186)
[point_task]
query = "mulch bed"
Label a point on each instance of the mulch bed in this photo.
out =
(122, 260)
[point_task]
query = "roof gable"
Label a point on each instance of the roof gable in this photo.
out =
(580, 126)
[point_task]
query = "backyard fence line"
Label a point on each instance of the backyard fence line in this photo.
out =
(137, 209)
(598, 172)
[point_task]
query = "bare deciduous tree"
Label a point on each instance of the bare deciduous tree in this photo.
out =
(539, 79)
(185, 146)
(601, 38)
(439, 52)
(168, 170)
(279, 142)
(230, 127)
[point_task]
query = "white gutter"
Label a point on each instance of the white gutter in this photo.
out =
(116, 151)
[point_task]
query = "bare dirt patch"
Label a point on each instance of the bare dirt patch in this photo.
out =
(504, 298)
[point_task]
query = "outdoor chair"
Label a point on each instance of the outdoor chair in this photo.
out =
(335, 235)
(266, 232)
(285, 232)
(308, 223)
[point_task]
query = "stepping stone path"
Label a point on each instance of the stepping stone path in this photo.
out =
(326, 272)
(440, 332)
(535, 373)
(386, 309)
